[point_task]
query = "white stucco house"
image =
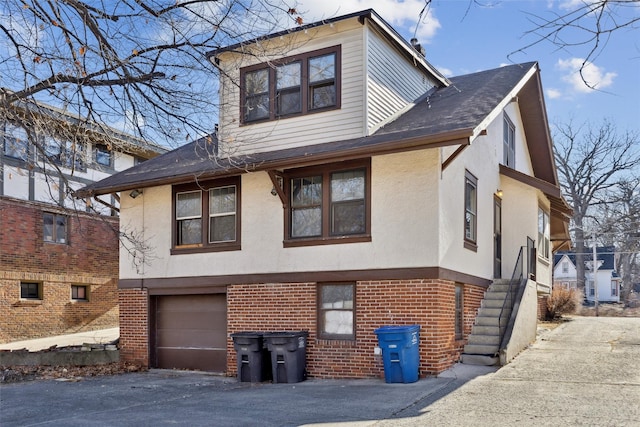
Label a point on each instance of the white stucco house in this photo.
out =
(349, 185)
(607, 279)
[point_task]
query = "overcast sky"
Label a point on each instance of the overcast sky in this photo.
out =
(461, 39)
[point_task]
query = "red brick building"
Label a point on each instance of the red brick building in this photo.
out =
(48, 288)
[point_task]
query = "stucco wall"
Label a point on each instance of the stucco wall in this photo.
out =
(404, 191)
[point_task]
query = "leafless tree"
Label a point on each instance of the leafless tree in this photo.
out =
(586, 24)
(77, 70)
(592, 161)
(618, 222)
(140, 65)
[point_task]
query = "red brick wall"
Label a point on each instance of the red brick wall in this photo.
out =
(90, 259)
(543, 311)
(134, 326)
(429, 303)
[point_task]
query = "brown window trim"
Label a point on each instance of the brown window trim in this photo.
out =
(326, 238)
(304, 84)
(471, 244)
(335, 337)
(204, 246)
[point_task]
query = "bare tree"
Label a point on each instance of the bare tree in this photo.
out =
(591, 162)
(587, 24)
(140, 66)
(619, 224)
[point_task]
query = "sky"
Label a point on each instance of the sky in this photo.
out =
(460, 38)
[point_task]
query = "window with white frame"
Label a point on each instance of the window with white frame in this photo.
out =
(614, 288)
(565, 266)
(544, 234)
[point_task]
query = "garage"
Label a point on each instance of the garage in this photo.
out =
(190, 332)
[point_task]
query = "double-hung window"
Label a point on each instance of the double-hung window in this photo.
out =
(328, 204)
(207, 216)
(544, 235)
(301, 84)
(509, 142)
(54, 228)
(470, 211)
(336, 311)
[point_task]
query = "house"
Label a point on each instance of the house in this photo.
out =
(608, 280)
(58, 261)
(349, 185)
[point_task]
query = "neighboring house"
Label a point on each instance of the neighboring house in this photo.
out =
(608, 280)
(58, 263)
(350, 185)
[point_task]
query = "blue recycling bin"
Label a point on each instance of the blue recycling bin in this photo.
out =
(400, 354)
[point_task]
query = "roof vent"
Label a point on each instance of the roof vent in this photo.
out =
(417, 46)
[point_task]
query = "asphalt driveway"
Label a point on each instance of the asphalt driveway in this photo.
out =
(585, 372)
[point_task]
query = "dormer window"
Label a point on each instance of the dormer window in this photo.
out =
(302, 84)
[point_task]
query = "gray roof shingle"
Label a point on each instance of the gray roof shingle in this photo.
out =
(450, 112)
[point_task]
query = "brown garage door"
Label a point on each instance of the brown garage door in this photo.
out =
(191, 332)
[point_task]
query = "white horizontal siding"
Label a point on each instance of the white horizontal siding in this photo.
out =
(393, 83)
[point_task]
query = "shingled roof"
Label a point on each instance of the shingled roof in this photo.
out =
(447, 116)
(606, 254)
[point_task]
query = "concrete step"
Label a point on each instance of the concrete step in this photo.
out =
(495, 295)
(498, 287)
(489, 312)
(477, 339)
(485, 330)
(492, 303)
(491, 321)
(477, 359)
(481, 349)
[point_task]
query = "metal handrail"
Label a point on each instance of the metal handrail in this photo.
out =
(514, 282)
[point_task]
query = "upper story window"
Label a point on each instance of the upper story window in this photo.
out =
(329, 204)
(565, 266)
(15, 141)
(509, 142)
(296, 85)
(54, 228)
(207, 216)
(103, 155)
(65, 153)
(544, 234)
(470, 211)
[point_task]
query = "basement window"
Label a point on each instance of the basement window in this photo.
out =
(79, 293)
(31, 290)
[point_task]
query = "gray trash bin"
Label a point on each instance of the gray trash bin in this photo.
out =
(253, 357)
(288, 355)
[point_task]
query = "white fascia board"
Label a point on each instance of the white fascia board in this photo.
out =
(505, 101)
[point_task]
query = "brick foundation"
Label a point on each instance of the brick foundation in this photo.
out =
(429, 303)
(293, 307)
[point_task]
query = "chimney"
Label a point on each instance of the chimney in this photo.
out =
(417, 46)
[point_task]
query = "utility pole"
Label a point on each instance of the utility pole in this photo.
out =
(594, 270)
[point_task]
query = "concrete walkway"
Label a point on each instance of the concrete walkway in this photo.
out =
(102, 336)
(585, 372)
